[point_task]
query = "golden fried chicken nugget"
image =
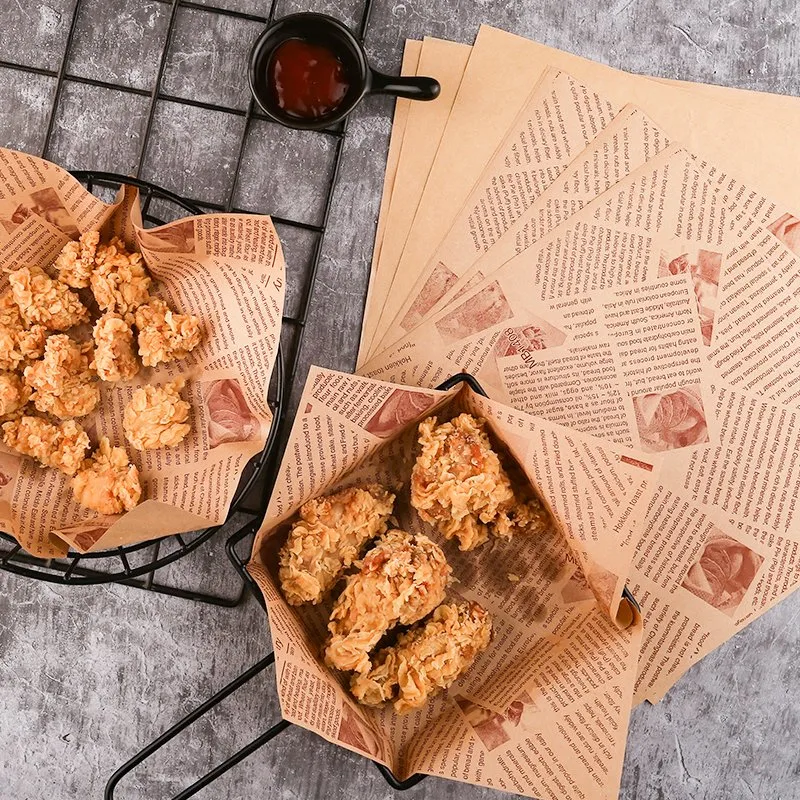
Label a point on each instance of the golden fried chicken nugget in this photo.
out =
(18, 344)
(429, 657)
(401, 580)
(329, 537)
(64, 380)
(156, 416)
(43, 301)
(75, 262)
(14, 394)
(114, 354)
(60, 446)
(9, 311)
(119, 281)
(459, 486)
(165, 335)
(107, 482)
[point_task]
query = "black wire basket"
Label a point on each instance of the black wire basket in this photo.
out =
(238, 548)
(131, 562)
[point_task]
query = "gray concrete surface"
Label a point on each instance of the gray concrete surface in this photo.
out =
(87, 676)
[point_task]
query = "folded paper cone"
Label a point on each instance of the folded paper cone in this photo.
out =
(547, 705)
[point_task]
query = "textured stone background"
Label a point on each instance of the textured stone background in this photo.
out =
(88, 676)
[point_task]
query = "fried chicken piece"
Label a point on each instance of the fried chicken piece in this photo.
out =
(459, 486)
(156, 416)
(107, 482)
(14, 394)
(9, 311)
(30, 342)
(119, 282)
(75, 262)
(43, 301)
(328, 538)
(17, 344)
(60, 446)
(401, 580)
(165, 335)
(114, 354)
(429, 657)
(64, 380)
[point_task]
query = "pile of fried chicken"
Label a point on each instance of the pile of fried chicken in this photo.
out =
(395, 583)
(49, 365)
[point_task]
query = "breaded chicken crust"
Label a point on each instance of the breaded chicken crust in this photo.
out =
(400, 581)
(164, 334)
(75, 262)
(426, 659)
(61, 446)
(14, 395)
(119, 280)
(459, 486)
(43, 301)
(114, 352)
(63, 382)
(18, 344)
(156, 416)
(329, 537)
(107, 482)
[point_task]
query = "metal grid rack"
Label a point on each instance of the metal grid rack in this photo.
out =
(117, 566)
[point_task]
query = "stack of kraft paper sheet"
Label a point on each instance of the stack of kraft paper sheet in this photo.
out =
(619, 255)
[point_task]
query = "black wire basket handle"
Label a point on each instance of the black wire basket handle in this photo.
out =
(270, 733)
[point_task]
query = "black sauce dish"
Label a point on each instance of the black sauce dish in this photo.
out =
(326, 32)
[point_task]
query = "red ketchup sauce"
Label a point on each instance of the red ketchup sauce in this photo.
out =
(307, 80)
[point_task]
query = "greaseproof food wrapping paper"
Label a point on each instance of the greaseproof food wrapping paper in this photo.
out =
(416, 132)
(716, 122)
(661, 314)
(542, 712)
(226, 268)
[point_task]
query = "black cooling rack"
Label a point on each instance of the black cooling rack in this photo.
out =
(137, 565)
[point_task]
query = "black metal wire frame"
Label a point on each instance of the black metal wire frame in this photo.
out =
(82, 569)
(77, 569)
